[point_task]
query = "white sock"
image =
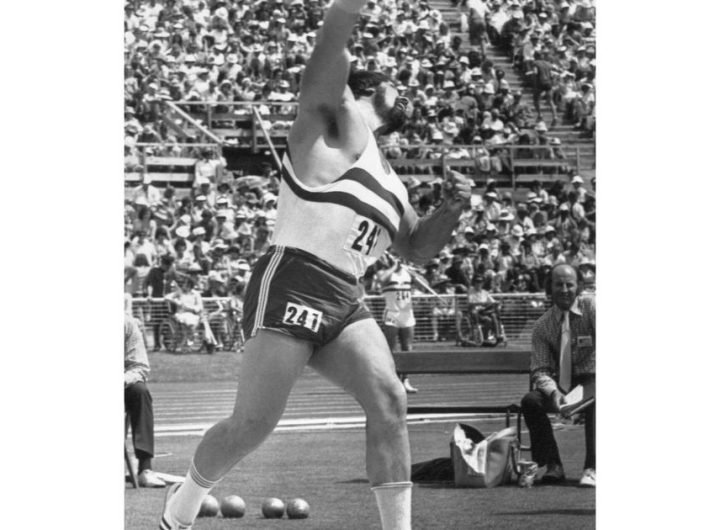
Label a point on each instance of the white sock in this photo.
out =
(394, 502)
(184, 505)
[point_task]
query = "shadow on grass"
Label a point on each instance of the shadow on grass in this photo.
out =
(585, 512)
(451, 485)
(354, 481)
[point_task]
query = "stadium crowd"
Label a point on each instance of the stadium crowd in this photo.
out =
(222, 51)
(236, 50)
(217, 232)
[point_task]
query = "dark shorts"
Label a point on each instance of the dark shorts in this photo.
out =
(541, 87)
(297, 293)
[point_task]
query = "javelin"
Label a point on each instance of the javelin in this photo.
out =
(419, 279)
(425, 285)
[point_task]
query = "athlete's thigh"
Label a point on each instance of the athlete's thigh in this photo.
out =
(391, 336)
(406, 337)
(359, 361)
(271, 364)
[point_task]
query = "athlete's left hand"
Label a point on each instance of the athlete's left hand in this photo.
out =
(457, 190)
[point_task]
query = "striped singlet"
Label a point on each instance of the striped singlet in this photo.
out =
(397, 293)
(348, 223)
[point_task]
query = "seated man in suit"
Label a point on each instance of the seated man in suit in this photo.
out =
(138, 403)
(563, 356)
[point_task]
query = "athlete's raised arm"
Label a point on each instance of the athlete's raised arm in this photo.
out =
(325, 76)
(324, 102)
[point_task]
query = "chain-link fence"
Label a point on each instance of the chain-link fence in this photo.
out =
(442, 318)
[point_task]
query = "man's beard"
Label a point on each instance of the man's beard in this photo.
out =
(393, 117)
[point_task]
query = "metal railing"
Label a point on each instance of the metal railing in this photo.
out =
(168, 161)
(518, 313)
(160, 151)
(423, 161)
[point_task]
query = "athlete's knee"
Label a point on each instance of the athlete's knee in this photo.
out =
(243, 426)
(389, 403)
(531, 402)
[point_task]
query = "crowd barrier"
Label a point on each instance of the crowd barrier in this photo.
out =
(518, 313)
(172, 163)
(259, 125)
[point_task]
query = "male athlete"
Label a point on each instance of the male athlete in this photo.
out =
(398, 317)
(340, 207)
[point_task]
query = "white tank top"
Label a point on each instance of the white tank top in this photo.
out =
(349, 222)
(397, 291)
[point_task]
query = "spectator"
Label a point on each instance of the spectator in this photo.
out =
(163, 245)
(543, 85)
(523, 217)
(492, 239)
(443, 313)
(566, 92)
(146, 194)
(516, 111)
(135, 276)
(492, 206)
(538, 217)
(484, 311)
(583, 113)
(577, 212)
(478, 12)
(189, 307)
(577, 184)
(587, 274)
(554, 255)
(485, 261)
(146, 221)
(183, 257)
(138, 404)
(563, 356)
(200, 248)
(157, 284)
(557, 153)
(565, 224)
(514, 240)
(529, 257)
(132, 160)
(457, 272)
(142, 245)
(208, 169)
(505, 261)
(399, 319)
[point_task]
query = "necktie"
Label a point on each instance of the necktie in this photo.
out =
(565, 374)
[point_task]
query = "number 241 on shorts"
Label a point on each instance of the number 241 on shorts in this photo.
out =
(300, 315)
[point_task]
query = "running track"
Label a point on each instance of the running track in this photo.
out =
(188, 409)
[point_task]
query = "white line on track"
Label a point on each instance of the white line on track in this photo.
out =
(332, 423)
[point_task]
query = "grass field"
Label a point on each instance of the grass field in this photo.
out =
(327, 468)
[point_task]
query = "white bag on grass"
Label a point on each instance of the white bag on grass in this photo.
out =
(480, 462)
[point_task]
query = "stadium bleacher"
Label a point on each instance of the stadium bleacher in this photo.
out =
(225, 75)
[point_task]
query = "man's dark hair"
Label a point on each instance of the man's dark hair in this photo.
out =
(363, 83)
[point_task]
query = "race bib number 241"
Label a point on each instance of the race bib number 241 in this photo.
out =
(300, 315)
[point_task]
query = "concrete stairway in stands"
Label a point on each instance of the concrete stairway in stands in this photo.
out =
(571, 139)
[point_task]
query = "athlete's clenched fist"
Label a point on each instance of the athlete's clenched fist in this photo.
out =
(457, 189)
